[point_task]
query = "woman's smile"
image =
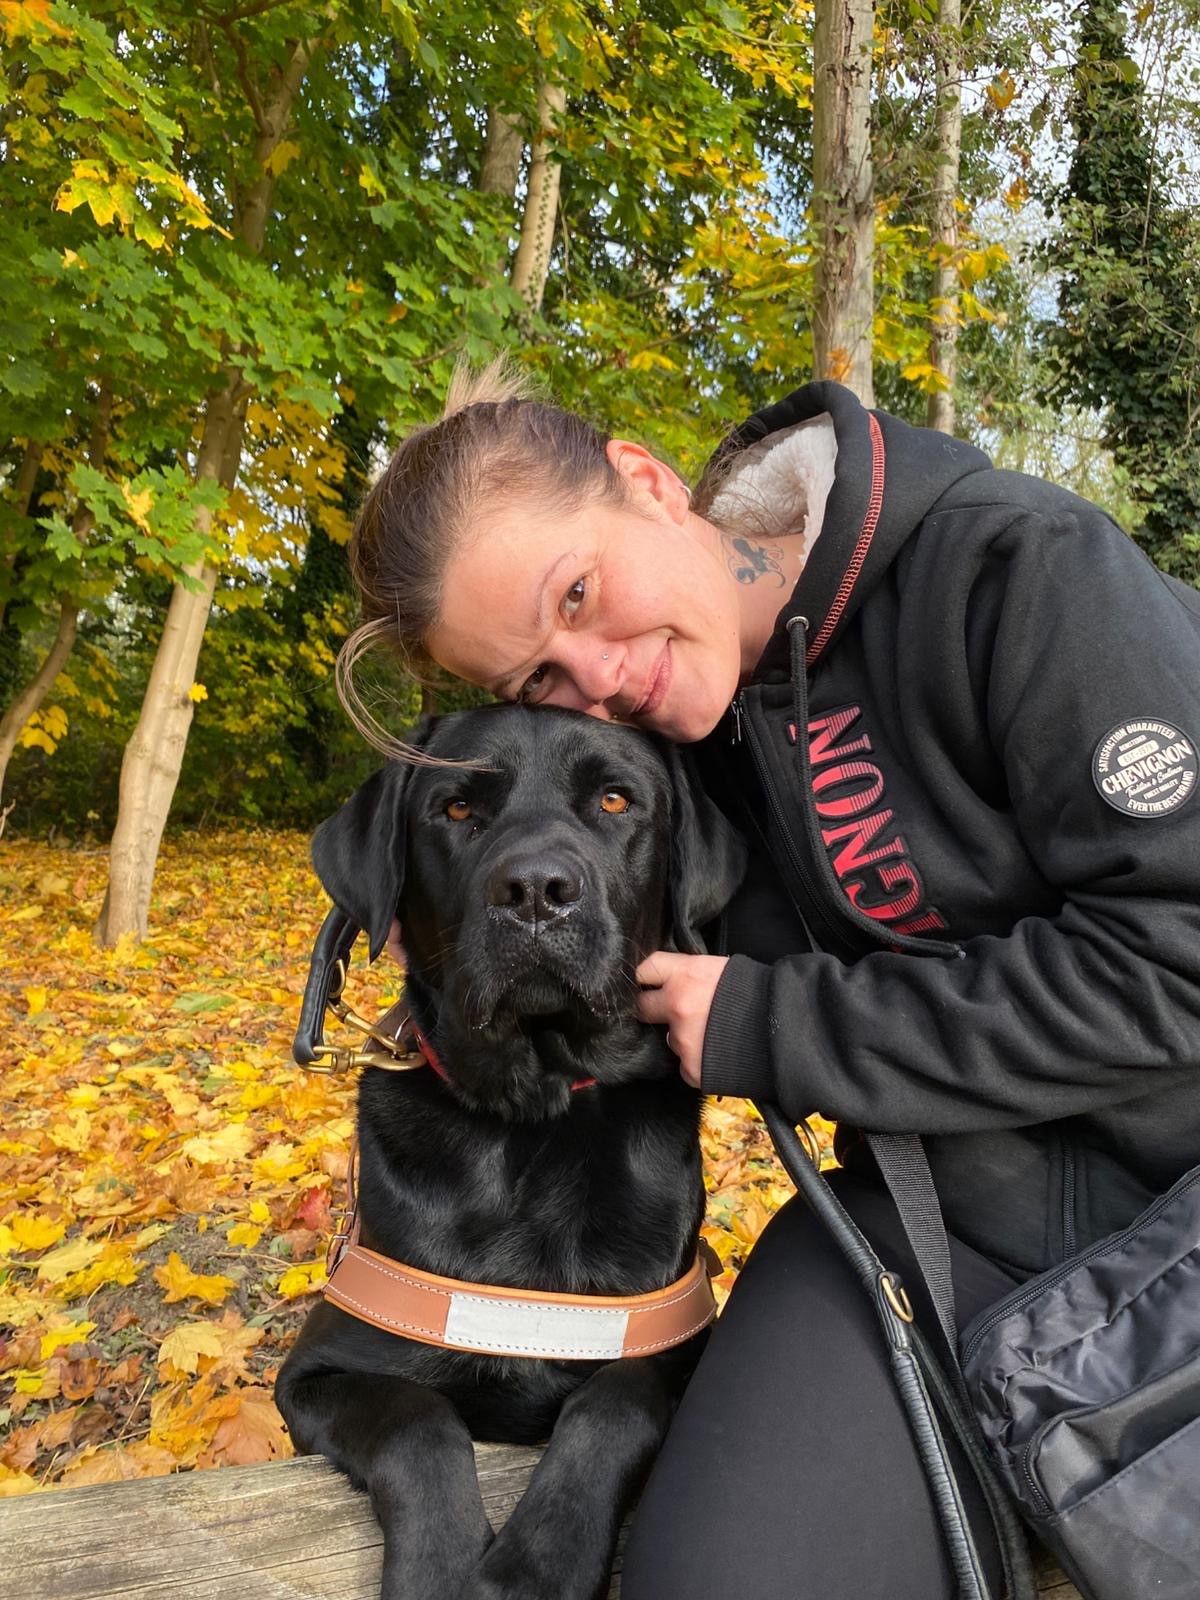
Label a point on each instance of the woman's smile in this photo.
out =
(608, 610)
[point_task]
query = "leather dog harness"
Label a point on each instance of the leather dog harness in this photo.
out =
(490, 1320)
(518, 1322)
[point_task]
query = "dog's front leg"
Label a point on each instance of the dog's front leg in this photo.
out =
(408, 1447)
(559, 1542)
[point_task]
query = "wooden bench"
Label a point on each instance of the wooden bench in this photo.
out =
(286, 1531)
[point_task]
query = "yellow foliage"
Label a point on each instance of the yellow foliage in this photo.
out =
(59, 1264)
(35, 999)
(68, 1333)
(1016, 194)
(284, 153)
(1001, 92)
(28, 18)
(35, 1232)
(181, 1283)
(115, 1265)
(28, 1380)
(14, 1483)
(302, 1280)
(131, 1119)
(117, 1464)
(45, 729)
(231, 1143)
(20, 1307)
(180, 1352)
(138, 506)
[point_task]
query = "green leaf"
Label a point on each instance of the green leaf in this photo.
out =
(194, 1005)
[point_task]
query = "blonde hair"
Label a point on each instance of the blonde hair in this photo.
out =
(495, 441)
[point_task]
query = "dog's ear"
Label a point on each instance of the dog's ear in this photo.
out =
(708, 855)
(358, 853)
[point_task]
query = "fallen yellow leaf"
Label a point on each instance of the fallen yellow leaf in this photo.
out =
(230, 1143)
(69, 1258)
(14, 1483)
(31, 1232)
(68, 1333)
(300, 1280)
(180, 1352)
(180, 1282)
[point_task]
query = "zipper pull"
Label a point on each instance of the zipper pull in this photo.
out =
(736, 707)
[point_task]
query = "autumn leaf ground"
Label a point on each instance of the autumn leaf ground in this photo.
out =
(168, 1175)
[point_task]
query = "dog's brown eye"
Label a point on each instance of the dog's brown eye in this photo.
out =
(614, 802)
(458, 810)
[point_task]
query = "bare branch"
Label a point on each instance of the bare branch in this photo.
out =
(244, 78)
(243, 12)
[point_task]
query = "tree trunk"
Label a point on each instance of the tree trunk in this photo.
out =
(154, 755)
(843, 194)
(503, 147)
(29, 699)
(943, 343)
(23, 487)
(532, 264)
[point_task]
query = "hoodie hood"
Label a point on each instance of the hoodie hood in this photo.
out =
(888, 476)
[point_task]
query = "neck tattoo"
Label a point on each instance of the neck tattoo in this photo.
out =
(749, 560)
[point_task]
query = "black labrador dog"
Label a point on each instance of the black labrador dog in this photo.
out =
(529, 886)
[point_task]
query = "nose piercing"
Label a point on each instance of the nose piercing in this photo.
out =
(604, 655)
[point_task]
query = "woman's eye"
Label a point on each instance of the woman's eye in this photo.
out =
(614, 801)
(458, 810)
(532, 683)
(575, 596)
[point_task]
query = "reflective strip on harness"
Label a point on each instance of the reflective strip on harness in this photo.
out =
(531, 1329)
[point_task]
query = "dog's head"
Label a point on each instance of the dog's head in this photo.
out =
(529, 886)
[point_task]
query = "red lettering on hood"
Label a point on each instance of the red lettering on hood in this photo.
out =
(866, 849)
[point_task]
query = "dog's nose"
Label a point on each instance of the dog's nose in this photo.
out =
(534, 889)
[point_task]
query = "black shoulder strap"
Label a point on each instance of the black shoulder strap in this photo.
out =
(901, 1160)
(929, 1390)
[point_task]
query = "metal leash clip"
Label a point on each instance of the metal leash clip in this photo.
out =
(394, 1051)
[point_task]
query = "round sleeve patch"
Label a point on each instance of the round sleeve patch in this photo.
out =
(1145, 768)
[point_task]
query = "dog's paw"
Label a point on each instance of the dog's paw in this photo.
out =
(516, 1572)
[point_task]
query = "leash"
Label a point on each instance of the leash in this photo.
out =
(405, 1046)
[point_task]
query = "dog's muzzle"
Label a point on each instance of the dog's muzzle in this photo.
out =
(535, 888)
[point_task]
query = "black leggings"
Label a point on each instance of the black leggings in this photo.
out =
(789, 1472)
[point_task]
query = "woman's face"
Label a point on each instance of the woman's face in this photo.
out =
(625, 611)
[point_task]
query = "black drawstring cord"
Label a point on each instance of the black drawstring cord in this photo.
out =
(797, 631)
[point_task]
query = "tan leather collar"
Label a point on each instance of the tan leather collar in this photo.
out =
(509, 1322)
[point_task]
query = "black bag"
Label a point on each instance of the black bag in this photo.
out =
(1083, 1384)
(931, 1391)
(1086, 1384)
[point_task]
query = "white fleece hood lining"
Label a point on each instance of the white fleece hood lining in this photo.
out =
(780, 485)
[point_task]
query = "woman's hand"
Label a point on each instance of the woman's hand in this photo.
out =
(395, 944)
(678, 990)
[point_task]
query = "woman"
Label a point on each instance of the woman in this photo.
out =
(954, 710)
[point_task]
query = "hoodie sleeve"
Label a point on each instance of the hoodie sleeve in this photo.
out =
(1070, 634)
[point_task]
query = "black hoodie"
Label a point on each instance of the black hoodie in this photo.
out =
(975, 910)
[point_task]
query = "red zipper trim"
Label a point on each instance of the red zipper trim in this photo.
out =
(871, 521)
